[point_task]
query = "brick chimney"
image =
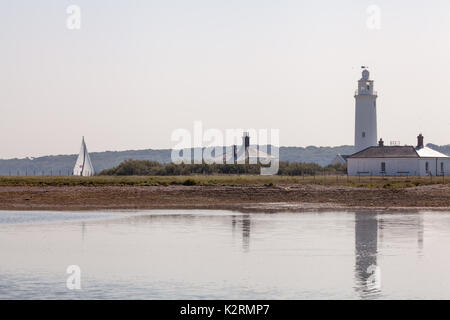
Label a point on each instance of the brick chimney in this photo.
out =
(381, 143)
(420, 141)
(246, 140)
(246, 145)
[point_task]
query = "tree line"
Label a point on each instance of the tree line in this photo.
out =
(154, 168)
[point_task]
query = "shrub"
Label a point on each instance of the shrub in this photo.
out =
(189, 182)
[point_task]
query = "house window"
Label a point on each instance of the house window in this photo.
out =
(383, 167)
(363, 134)
(427, 167)
(442, 167)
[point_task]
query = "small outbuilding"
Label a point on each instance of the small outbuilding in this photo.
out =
(399, 161)
(339, 159)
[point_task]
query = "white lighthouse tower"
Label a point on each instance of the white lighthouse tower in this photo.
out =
(365, 113)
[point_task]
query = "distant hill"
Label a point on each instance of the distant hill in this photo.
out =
(320, 155)
(63, 164)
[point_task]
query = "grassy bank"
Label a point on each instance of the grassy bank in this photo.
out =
(227, 180)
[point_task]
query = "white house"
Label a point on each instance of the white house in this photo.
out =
(399, 161)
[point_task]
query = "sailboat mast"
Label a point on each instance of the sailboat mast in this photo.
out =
(84, 157)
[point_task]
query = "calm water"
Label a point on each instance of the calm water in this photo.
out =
(225, 255)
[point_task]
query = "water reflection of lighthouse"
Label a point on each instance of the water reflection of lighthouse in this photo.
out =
(367, 272)
(371, 231)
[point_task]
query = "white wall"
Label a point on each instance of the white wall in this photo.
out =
(432, 164)
(415, 166)
(393, 166)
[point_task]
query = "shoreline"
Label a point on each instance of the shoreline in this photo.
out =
(244, 198)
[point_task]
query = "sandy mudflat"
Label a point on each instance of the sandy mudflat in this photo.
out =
(245, 197)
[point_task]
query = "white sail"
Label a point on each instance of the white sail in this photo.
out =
(83, 166)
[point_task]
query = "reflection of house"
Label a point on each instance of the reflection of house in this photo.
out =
(399, 161)
(409, 227)
(246, 228)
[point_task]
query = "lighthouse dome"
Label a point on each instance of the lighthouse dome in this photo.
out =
(365, 74)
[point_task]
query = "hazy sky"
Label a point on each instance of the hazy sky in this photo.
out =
(137, 70)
